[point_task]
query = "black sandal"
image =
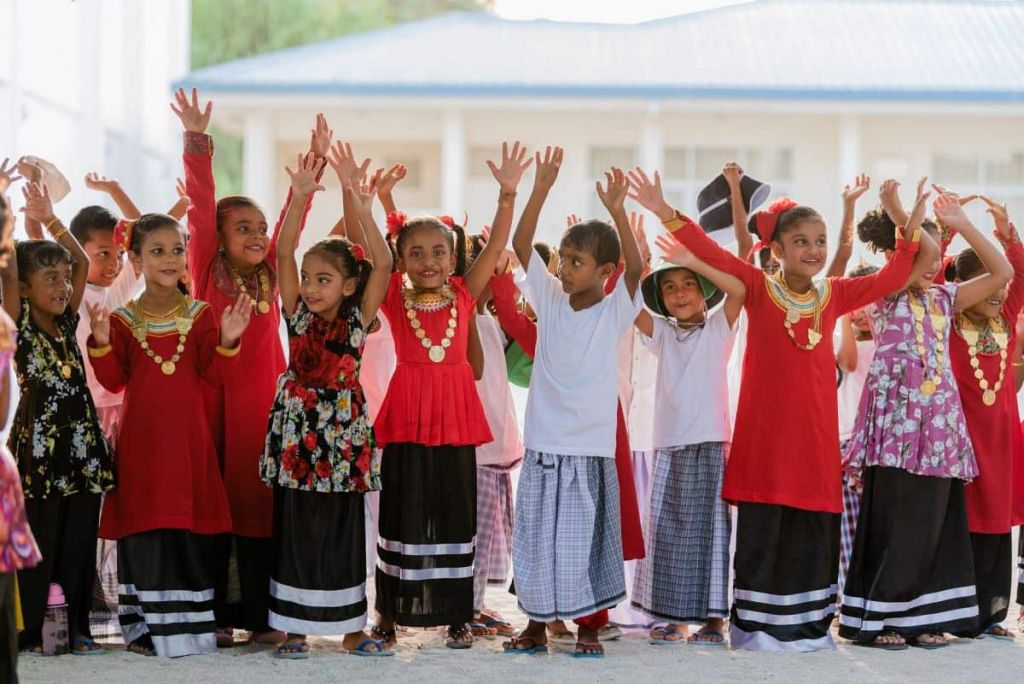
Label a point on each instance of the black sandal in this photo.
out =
(456, 634)
(388, 636)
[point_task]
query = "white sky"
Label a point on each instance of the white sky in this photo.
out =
(615, 11)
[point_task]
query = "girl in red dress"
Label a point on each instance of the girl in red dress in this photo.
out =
(230, 253)
(983, 335)
(787, 488)
(170, 502)
(431, 421)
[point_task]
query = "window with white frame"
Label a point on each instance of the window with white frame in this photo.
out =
(999, 176)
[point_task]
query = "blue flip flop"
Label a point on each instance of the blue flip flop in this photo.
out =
(292, 650)
(510, 648)
(91, 648)
(664, 640)
(363, 649)
(595, 656)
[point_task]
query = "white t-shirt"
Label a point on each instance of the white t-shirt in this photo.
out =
(124, 288)
(574, 388)
(692, 391)
(852, 387)
(496, 397)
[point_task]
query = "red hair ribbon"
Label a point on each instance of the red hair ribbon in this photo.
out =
(396, 221)
(358, 253)
(447, 220)
(767, 219)
(123, 233)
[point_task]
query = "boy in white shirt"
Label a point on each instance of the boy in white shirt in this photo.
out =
(567, 540)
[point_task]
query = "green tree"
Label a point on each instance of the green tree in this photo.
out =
(224, 30)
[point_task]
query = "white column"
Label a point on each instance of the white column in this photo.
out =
(652, 150)
(453, 162)
(258, 161)
(849, 166)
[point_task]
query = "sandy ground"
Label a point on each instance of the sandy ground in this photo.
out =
(421, 656)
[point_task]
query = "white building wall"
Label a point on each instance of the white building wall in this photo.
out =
(86, 86)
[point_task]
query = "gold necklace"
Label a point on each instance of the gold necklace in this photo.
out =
(929, 385)
(971, 334)
(65, 365)
(796, 307)
(436, 352)
(182, 322)
(262, 288)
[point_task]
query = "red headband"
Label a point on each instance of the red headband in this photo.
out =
(766, 221)
(358, 253)
(396, 221)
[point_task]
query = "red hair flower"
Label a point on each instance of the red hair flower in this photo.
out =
(447, 220)
(123, 233)
(396, 221)
(768, 219)
(358, 253)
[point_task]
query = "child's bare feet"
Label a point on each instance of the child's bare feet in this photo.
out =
(531, 639)
(711, 634)
(385, 631)
(587, 644)
(669, 634)
(361, 643)
(560, 633)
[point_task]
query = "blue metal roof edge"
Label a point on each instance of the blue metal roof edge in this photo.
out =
(644, 92)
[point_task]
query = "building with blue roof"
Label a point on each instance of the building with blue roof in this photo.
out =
(803, 93)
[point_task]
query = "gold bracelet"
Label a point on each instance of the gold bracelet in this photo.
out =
(59, 234)
(54, 220)
(229, 352)
(99, 352)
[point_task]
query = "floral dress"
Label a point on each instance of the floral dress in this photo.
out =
(319, 436)
(899, 425)
(18, 548)
(56, 436)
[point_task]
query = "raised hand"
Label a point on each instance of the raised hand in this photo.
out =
(304, 177)
(861, 184)
(38, 206)
(99, 322)
(571, 220)
(613, 195)
(349, 171)
(636, 225)
(234, 320)
(674, 251)
(320, 137)
(943, 190)
(193, 118)
(648, 193)
(385, 181)
(733, 172)
(546, 171)
(513, 164)
(7, 175)
(100, 183)
(180, 207)
(362, 194)
(999, 214)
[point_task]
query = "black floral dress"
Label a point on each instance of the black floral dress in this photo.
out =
(56, 436)
(319, 438)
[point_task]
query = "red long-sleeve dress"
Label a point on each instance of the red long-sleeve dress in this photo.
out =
(785, 447)
(995, 498)
(524, 332)
(240, 406)
(166, 466)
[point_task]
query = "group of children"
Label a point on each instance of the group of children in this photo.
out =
(157, 410)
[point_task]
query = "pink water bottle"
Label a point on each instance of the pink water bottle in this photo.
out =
(55, 623)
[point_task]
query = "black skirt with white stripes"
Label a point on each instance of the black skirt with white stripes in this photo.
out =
(166, 591)
(993, 577)
(786, 566)
(427, 534)
(318, 576)
(912, 571)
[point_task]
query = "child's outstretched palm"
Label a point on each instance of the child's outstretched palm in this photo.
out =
(613, 195)
(861, 184)
(513, 164)
(234, 320)
(546, 171)
(344, 164)
(99, 323)
(674, 251)
(38, 206)
(304, 177)
(999, 214)
(948, 209)
(385, 181)
(7, 175)
(193, 118)
(320, 137)
(647, 192)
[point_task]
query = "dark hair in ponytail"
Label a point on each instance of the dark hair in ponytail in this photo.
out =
(150, 223)
(225, 205)
(338, 251)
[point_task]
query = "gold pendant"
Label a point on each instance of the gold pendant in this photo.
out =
(65, 370)
(792, 315)
(813, 337)
(436, 354)
(167, 367)
(264, 307)
(928, 388)
(988, 397)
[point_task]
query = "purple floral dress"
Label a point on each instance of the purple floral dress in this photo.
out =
(17, 545)
(898, 426)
